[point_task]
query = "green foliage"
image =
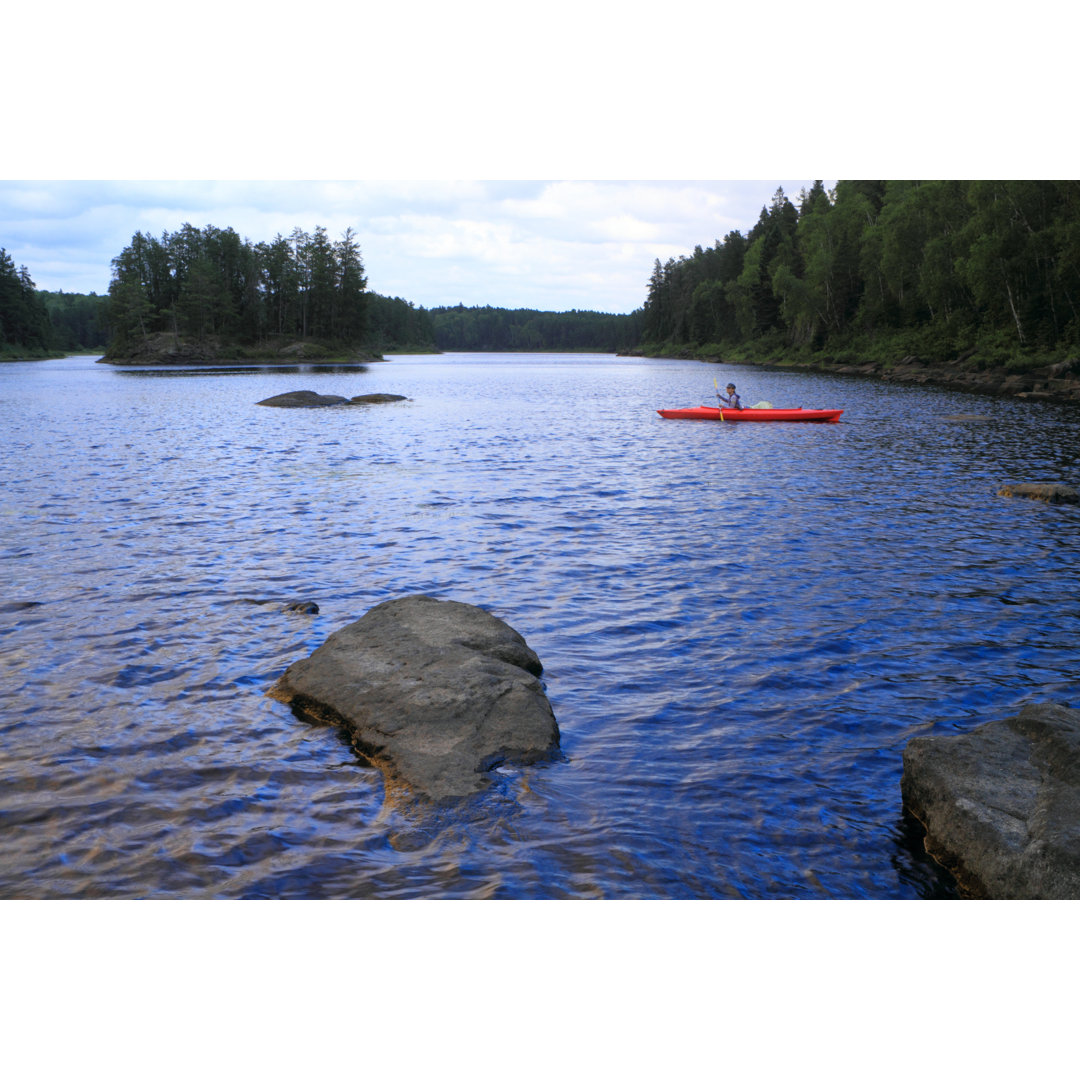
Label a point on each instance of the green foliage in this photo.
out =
(940, 268)
(396, 325)
(79, 323)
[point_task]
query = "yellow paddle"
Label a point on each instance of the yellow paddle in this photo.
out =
(717, 385)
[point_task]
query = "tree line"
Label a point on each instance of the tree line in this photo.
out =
(947, 267)
(489, 329)
(78, 322)
(201, 282)
(397, 325)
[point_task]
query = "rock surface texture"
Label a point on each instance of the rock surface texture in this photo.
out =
(435, 692)
(1001, 804)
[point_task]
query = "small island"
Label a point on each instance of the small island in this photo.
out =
(207, 297)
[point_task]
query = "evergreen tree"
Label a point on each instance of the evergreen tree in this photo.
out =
(351, 285)
(24, 319)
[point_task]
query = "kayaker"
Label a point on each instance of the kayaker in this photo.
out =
(731, 400)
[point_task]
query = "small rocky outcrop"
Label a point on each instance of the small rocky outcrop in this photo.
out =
(1001, 804)
(435, 692)
(303, 399)
(308, 399)
(1048, 493)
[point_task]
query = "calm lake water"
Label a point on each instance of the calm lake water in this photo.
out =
(741, 624)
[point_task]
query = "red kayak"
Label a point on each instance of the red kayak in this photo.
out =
(710, 412)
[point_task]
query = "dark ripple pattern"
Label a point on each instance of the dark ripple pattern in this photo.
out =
(741, 625)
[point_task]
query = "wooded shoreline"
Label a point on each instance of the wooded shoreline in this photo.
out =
(1055, 381)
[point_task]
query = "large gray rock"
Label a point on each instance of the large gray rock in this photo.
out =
(1001, 804)
(434, 692)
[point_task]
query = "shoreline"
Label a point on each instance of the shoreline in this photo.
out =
(1058, 382)
(168, 349)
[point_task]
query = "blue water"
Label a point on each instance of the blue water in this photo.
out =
(741, 625)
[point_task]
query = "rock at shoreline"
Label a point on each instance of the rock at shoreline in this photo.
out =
(435, 692)
(1001, 804)
(1048, 493)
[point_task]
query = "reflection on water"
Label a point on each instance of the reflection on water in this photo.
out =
(741, 625)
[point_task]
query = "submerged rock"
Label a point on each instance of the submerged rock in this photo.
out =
(1048, 493)
(302, 607)
(376, 399)
(1001, 804)
(435, 692)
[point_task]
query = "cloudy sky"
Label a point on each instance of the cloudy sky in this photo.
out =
(552, 245)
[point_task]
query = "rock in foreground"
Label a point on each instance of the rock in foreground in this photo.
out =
(434, 692)
(1001, 804)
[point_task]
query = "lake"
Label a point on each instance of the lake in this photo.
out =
(741, 624)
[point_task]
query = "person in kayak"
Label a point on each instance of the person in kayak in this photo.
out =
(731, 400)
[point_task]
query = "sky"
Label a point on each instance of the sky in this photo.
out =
(552, 245)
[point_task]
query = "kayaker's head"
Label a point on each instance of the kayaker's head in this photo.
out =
(730, 386)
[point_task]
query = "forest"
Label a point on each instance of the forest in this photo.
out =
(942, 268)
